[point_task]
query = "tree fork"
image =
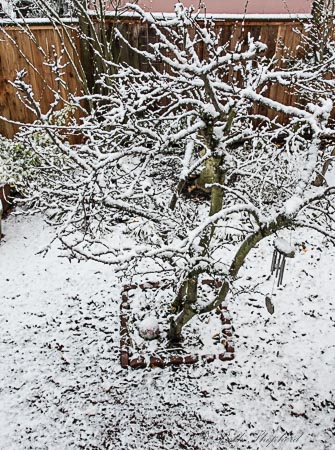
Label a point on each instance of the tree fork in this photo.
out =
(189, 287)
(189, 311)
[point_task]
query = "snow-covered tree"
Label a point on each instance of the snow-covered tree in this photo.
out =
(122, 197)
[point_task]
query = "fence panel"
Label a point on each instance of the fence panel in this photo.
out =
(18, 51)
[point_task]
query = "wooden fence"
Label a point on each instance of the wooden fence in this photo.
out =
(19, 51)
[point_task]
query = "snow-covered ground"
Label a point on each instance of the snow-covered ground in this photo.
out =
(61, 386)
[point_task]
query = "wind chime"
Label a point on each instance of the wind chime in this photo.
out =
(282, 250)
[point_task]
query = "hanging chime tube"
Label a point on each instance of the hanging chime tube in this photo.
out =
(281, 273)
(274, 260)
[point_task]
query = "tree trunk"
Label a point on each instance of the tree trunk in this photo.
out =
(85, 52)
(184, 304)
(188, 308)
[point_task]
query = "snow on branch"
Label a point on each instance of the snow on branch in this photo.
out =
(172, 158)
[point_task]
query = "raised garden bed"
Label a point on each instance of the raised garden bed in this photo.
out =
(207, 338)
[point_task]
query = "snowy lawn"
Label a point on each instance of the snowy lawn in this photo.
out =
(61, 385)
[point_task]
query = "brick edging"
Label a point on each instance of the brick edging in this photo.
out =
(173, 360)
